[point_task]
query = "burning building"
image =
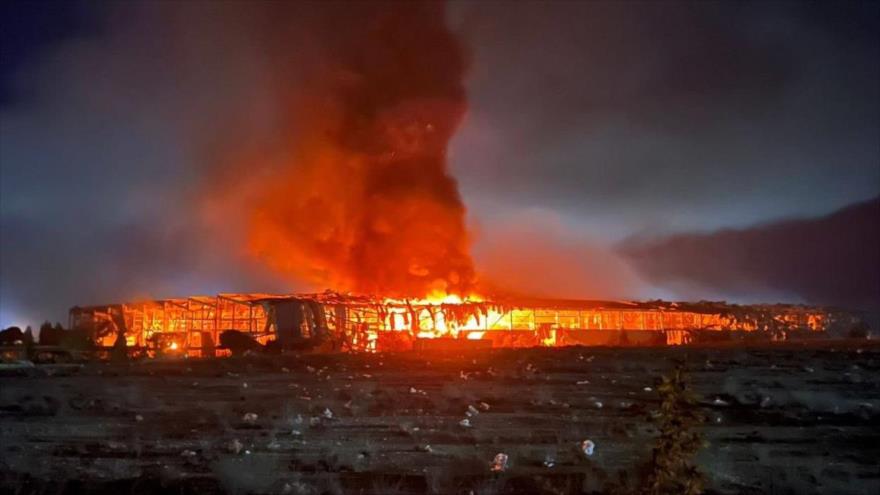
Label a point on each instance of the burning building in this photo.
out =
(351, 189)
(340, 322)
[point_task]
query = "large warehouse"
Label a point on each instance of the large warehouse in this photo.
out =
(357, 323)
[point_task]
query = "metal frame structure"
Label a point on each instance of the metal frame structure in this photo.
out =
(370, 324)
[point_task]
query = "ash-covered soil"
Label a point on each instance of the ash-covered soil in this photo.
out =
(780, 419)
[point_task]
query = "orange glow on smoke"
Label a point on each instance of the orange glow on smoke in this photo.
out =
(358, 197)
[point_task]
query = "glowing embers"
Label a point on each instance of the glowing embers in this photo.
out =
(433, 317)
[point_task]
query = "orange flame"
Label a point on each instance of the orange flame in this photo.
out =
(362, 201)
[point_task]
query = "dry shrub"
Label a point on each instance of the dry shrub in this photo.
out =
(672, 469)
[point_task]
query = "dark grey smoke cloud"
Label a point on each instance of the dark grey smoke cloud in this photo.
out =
(832, 260)
(615, 118)
(666, 116)
(103, 158)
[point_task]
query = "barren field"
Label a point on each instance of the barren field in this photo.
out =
(780, 419)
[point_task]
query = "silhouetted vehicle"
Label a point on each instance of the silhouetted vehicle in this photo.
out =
(238, 342)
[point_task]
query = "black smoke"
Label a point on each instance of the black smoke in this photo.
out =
(831, 260)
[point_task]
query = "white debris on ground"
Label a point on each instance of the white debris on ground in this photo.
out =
(250, 418)
(465, 423)
(235, 446)
(327, 413)
(472, 411)
(588, 447)
(499, 463)
(484, 406)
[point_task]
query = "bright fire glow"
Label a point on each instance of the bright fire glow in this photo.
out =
(433, 317)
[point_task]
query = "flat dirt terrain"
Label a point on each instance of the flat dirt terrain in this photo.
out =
(779, 419)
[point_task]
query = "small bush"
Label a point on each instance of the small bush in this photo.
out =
(672, 469)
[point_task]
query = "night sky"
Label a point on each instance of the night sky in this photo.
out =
(700, 150)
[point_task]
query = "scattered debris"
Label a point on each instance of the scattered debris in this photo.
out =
(327, 413)
(484, 406)
(587, 447)
(549, 461)
(583, 382)
(499, 464)
(112, 445)
(648, 389)
(138, 418)
(188, 454)
(719, 402)
(472, 411)
(250, 418)
(235, 446)
(465, 422)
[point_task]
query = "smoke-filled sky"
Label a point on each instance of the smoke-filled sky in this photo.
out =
(596, 138)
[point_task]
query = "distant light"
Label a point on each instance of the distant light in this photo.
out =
(173, 346)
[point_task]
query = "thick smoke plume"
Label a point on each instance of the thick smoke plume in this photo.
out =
(356, 194)
(834, 259)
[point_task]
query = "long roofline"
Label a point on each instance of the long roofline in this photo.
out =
(329, 297)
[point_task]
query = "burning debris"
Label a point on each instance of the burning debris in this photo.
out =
(335, 322)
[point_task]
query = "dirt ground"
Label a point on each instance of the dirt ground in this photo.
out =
(780, 419)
